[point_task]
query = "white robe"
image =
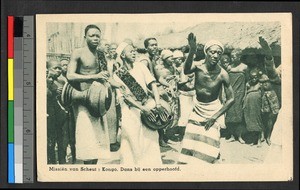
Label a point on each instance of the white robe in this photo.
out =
(92, 137)
(139, 144)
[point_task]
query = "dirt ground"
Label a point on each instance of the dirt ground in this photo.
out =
(231, 153)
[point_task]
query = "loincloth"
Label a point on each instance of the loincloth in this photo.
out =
(200, 145)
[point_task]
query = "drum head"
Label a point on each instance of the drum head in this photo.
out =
(159, 123)
(99, 99)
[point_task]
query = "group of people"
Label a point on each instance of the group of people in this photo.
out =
(257, 92)
(207, 96)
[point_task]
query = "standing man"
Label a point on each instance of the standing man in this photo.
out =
(86, 67)
(151, 58)
(201, 143)
(139, 144)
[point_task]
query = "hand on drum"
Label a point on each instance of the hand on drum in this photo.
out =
(149, 113)
(162, 112)
(59, 90)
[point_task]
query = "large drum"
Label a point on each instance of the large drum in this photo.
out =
(159, 123)
(97, 98)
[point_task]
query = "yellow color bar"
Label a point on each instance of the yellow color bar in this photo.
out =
(10, 79)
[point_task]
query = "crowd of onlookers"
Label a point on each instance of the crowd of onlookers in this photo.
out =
(254, 75)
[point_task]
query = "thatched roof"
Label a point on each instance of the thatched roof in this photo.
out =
(236, 34)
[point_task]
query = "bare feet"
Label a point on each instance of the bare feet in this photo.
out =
(90, 162)
(162, 143)
(241, 140)
(259, 143)
(114, 147)
(262, 137)
(231, 139)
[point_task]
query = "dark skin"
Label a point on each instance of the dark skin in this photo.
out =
(209, 78)
(152, 50)
(165, 72)
(84, 67)
(55, 72)
(266, 48)
(269, 63)
(86, 60)
(128, 56)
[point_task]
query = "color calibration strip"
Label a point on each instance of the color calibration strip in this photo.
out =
(21, 69)
(18, 98)
(10, 50)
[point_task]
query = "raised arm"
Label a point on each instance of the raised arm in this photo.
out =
(73, 76)
(188, 64)
(269, 60)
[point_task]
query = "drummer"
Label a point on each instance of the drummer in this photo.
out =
(86, 66)
(139, 144)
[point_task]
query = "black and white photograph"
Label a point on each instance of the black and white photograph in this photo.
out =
(164, 97)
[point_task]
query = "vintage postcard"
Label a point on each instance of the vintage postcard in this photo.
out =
(164, 97)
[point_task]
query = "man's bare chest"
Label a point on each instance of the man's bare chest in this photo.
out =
(88, 61)
(208, 80)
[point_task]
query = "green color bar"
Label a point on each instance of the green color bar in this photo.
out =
(10, 121)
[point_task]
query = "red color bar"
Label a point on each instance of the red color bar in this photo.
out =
(10, 37)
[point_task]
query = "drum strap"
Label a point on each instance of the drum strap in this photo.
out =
(101, 60)
(102, 64)
(131, 83)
